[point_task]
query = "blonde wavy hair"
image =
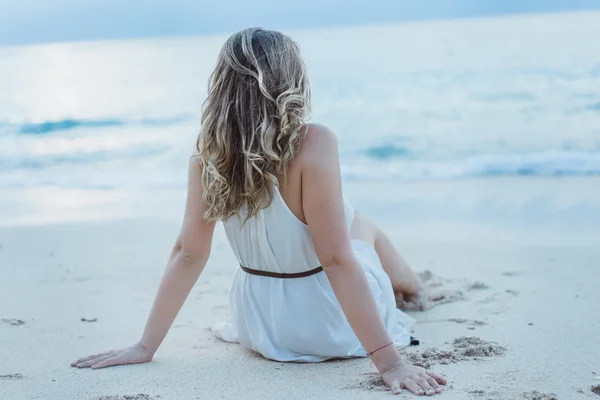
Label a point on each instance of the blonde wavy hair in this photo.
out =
(252, 120)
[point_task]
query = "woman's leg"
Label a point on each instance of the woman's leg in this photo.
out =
(404, 281)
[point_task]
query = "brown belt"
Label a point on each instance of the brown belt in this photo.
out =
(281, 276)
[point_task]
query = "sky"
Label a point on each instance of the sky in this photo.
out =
(39, 21)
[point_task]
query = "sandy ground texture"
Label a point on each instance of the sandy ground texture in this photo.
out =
(521, 322)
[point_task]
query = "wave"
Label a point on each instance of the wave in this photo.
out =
(52, 126)
(386, 152)
(594, 106)
(78, 159)
(66, 124)
(152, 164)
(550, 164)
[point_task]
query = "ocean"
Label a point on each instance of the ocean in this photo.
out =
(437, 100)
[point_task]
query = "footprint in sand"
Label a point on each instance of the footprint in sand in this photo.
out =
(499, 295)
(477, 286)
(12, 321)
(12, 377)
(535, 395)
(488, 395)
(470, 322)
(477, 392)
(442, 291)
(446, 296)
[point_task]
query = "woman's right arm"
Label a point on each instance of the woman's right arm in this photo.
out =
(323, 208)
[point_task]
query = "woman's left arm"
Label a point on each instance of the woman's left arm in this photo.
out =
(187, 261)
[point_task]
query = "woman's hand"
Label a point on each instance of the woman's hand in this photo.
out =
(134, 354)
(416, 379)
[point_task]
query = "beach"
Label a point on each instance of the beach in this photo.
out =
(68, 289)
(474, 143)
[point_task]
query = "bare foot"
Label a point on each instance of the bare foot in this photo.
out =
(432, 292)
(419, 301)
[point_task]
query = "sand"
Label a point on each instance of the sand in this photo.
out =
(463, 349)
(535, 395)
(523, 327)
(139, 396)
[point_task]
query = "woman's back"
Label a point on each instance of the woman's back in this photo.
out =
(277, 240)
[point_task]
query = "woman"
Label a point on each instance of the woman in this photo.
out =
(317, 280)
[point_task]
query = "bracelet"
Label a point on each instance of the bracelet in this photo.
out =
(382, 347)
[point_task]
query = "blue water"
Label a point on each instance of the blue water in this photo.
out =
(438, 100)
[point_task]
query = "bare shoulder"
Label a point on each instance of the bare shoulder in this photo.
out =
(195, 158)
(194, 164)
(319, 143)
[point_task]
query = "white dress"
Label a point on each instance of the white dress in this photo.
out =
(297, 319)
